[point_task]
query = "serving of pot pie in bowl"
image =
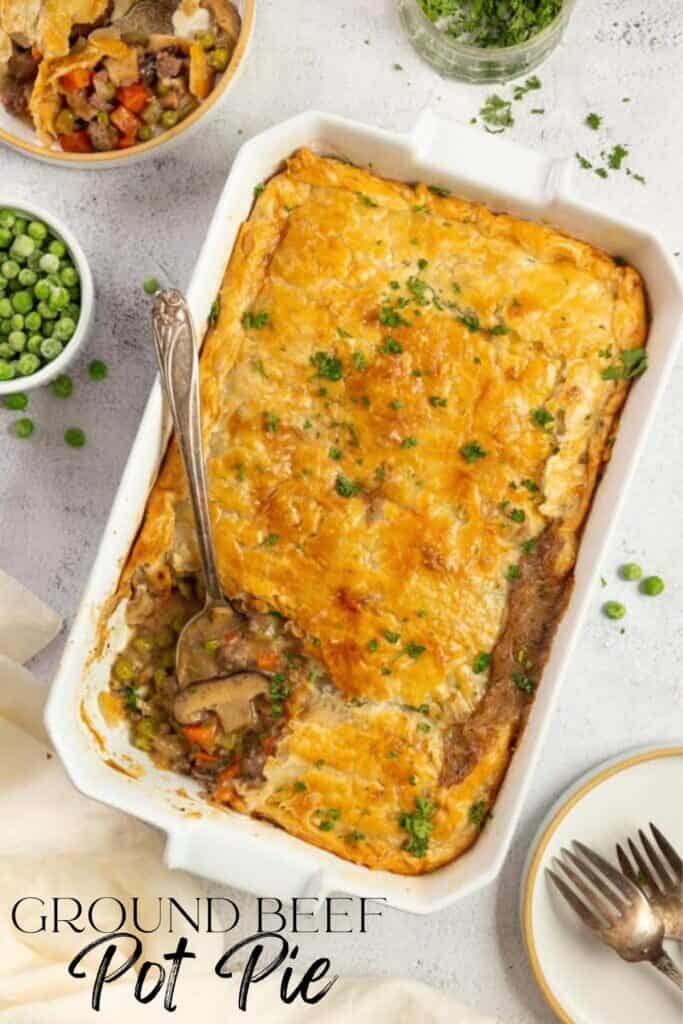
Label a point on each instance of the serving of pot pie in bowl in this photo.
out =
(95, 82)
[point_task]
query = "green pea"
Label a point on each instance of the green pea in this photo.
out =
(22, 247)
(32, 322)
(24, 427)
(219, 58)
(20, 225)
(7, 218)
(630, 571)
(68, 276)
(7, 370)
(73, 311)
(42, 290)
(47, 328)
(49, 263)
(652, 585)
(169, 118)
(143, 644)
(47, 312)
(123, 669)
(17, 340)
(6, 309)
(33, 344)
(5, 328)
(62, 386)
(17, 322)
(37, 230)
(57, 248)
(75, 437)
(5, 238)
(211, 646)
(17, 402)
(22, 301)
(144, 133)
(59, 298)
(3, 282)
(98, 370)
(151, 286)
(206, 40)
(27, 363)
(27, 277)
(10, 269)
(614, 609)
(51, 348)
(6, 351)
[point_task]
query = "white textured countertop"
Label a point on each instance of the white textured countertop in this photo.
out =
(622, 690)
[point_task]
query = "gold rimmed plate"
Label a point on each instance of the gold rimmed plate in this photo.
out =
(20, 136)
(583, 981)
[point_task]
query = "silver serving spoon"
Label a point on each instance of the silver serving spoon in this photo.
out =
(229, 696)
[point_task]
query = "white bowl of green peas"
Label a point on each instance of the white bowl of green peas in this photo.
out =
(46, 296)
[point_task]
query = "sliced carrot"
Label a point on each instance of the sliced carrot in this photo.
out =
(79, 78)
(126, 122)
(203, 758)
(268, 660)
(225, 789)
(133, 97)
(126, 141)
(269, 744)
(203, 734)
(76, 142)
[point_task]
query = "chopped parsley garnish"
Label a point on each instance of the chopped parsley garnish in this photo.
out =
(344, 487)
(437, 402)
(586, 164)
(354, 836)
(271, 422)
(528, 546)
(255, 320)
(439, 190)
(391, 347)
(472, 451)
(601, 172)
(278, 691)
(513, 572)
(477, 813)
(359, 361)
(419, 825)
(422, 264)
(390, 318)
(616, 157)
(328, 818)
(470, 321)
(271, 540)
(396, 403)
(531, 486)
(418, 289)
(131, 698)
(530, 84)
(335, 453)
(390, 637)
(214, 312)
(499, 329)
(300, 786)
(366, 200)
(415, 650)
(327, 365)
(342, 333)
(481, 662)
(517, 515)
(523, 682)
(593, 121)
(633, 364)
(542, 417)
(372, 644)
(409, 442)
(424, 727)
(496, 113)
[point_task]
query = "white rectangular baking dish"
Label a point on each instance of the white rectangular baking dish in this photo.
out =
(254, 855)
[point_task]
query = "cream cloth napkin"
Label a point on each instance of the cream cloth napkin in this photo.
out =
(53, 841)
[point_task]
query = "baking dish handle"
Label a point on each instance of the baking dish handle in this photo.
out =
(483, 166)
(240, 863)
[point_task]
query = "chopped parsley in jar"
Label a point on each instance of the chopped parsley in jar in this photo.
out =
(489, 23)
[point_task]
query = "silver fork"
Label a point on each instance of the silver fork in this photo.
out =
(663, 885)
(618, 911)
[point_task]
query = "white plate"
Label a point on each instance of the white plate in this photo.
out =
(583, 980)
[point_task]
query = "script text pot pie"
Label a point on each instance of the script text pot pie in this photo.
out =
(407, 404)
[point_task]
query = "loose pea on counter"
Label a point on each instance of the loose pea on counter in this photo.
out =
(40, 295)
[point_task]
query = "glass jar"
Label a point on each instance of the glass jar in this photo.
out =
(475, 63)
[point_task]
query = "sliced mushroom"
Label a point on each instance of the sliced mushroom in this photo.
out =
(227, 16)
(229, 697)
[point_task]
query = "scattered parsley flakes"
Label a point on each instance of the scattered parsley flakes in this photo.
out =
(409, 442)
(271, 422)
(513, 572)
(419, 825)
(214, 312)
(523, 682)
(472, 451)
(530, 84)
(415, 650)
(481, 662)
(437, 402)
(271, 540)
(259, 190)
(496, 113)
(477, 813)
(328, 366)
(255, 320)
(344, 487)
(586, 164)
(633, 364)
(470, 321)
(359, 361)
(391, 637)
(616, 157)
(439, 190)
(542, 417)
(391, 347)
(593, 121)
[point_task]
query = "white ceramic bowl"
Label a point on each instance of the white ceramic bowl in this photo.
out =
(75, 343)
(21, 136)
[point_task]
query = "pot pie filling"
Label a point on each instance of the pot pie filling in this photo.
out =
(407, 403)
